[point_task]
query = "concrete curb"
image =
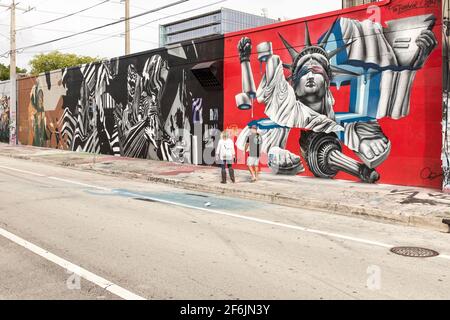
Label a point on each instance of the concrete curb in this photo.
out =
(432, 223)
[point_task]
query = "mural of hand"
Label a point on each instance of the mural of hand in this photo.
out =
(245, 49)
(322, 123)
(426, 42)
(282, 161)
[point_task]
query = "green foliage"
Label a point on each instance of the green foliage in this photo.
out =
(4, 72)
(57, 60)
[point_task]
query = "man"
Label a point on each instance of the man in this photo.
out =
(253, 147)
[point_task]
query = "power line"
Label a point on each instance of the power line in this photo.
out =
(67, 31)
(62, 13)
(64, 17)
(81, 15)
(159, 19)
(117, 34)
(100, 27)
(100, 39)
(90, 42)
(177, 14)
(132, 6)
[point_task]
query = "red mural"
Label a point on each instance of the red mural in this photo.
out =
(359, 97)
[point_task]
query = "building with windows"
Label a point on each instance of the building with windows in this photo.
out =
(352, 3)
(212, 23)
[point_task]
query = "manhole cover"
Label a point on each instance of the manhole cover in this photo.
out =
(414, 252)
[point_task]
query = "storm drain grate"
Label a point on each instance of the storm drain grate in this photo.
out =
(414, 252)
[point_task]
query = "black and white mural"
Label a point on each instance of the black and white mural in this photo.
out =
(144, 106)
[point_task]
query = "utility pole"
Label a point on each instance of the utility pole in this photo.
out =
(13, 78)
(127, 28)
(12, 72)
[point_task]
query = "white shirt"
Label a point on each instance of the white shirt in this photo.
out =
(225, 150)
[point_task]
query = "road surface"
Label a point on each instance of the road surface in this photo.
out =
(67, 234)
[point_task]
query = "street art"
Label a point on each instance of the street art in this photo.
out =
(40, 101)
(342, 95)
(378, 62)
(142, 106)
(4, 112)
(445, 98)
(4, 119)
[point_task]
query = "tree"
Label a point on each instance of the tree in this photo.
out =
(57, 60)
(4, 72)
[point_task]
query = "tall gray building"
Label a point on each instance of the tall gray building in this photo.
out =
(208, 24)
(352, 3)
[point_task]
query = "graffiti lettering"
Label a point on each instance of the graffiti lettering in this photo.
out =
(411, 5)
(428, 174)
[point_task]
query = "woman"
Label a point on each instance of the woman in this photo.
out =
(225, 156)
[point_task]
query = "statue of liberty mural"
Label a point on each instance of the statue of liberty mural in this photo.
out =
(380, 65)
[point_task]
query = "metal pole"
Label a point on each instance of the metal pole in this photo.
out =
(12, 71)
(13, 78)
(127, 28)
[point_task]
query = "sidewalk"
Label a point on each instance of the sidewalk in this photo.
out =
(410, 206)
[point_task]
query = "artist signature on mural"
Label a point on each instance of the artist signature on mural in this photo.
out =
(428, 174)
(411, 196)
(411, 5)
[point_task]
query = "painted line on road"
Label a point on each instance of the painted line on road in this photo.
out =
(258, 220)
(78, 183)
(55, 178)
(72, 268)
(232, 215)
(22, 171)
(272, 223)
(238, 216)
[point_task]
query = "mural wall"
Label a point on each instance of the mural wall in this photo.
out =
(153, 105)
(4, 112)
(445, 96)
(355, 95)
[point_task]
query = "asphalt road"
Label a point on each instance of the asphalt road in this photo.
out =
(66, 234)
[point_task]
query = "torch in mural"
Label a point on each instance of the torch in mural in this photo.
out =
(380, 65)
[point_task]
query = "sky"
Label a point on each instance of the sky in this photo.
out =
(109, 42)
